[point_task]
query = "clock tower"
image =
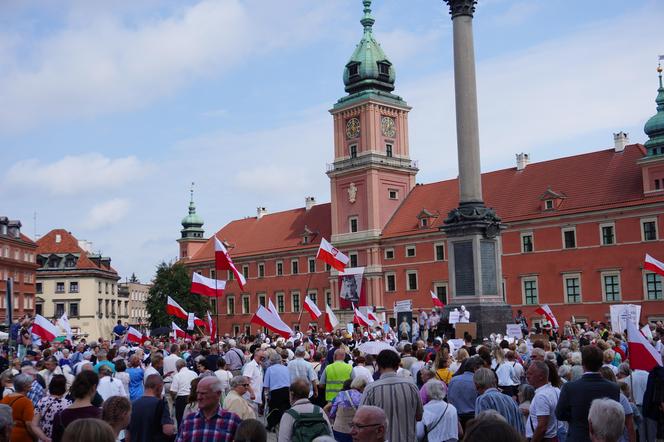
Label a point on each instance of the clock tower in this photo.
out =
(372, 172)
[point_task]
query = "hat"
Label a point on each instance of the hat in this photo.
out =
(438, 341)
(123, 349)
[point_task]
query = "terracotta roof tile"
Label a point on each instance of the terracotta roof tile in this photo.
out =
(47, 244)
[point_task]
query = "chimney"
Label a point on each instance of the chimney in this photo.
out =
(620, 140)
(522, 160)
(309, 202)
(260, 212)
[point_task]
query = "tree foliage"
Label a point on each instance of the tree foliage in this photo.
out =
(173, 280)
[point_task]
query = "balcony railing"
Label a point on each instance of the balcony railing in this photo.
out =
(364, 160)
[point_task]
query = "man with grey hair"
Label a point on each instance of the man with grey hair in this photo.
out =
(181, 388)
(369, 424)
(6, 422)
(606, 420)
(235, 402)
(542, 423)
(489, 398)
(439, 421)
(299, 368)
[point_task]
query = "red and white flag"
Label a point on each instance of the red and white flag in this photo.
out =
(207, 286)
(312, 308)
(223, 261)
(199, 322)
(642, 355)
(173, 308)
(372, 317)
(361, 319)
(43, 328)
(269, 320)
(134, 335)
(331, 320)
(331, 255)
(545, 310)
(211, 326)
(653, 265)
(179, 333)
(436, 300)
(272, 308)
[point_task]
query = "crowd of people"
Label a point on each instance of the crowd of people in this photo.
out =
(572, 384)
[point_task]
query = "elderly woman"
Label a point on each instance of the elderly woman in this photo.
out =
(439, 421)
(23, 411)
(343, 409)
(427, 374)
(234, 401)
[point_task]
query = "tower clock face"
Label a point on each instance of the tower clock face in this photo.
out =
(353, 128)
(388, 127)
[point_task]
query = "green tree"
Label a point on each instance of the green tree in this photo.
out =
(173, 280)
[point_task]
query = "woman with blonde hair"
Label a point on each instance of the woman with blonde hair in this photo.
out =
(442, 362)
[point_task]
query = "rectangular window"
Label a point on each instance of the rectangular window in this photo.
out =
(353, 259)
(328, 297)
(548, 204)
(388, 150)
(39, 287)
(245, 304)
(411, 277)
(106, 288)
(230, 305)
(439, 252)
(572, 289)
(530, 291)
(262, 299)
(390, 282)
(213, 306)
(653, 286)
(295, 299)
(106, 309)
(280, 268)
(231, 275)
(99, 312)
(312, 265)
(608, 235)
(281, 307)
(59, 287)
(352, 224)
(313, 295)
(441, 292)
(392, 194)
(213, 274)
(526, 242)
(261, 270)
(353, 150)
(59, 309)
(657, 185)
(410, 251)
(389, 253)
(113, 307)
(295, 267)
(73, 309)
(73, 287)
(611, 286)
(649, 229)
(569, 238)
(245, 271)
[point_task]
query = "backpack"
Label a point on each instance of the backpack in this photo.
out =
(308, 426)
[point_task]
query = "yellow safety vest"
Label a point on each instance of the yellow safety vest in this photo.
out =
(335, 376)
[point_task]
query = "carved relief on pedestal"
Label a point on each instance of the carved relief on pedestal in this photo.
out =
(352, 193)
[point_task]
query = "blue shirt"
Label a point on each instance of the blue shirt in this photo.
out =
(492, 399)
(462, 393)
(276, 376)
(135, 382)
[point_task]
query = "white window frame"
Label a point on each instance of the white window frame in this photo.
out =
(525, 279)
(389, 152)
(417, 283)
(642, 221)
(258, 299)
(532, 241)
(396, 194)
(390, 249)
(297, 264)
(387, 287)
(230, 298)
(328, 298)
(350, 224)
(281, 295)
(276, 268)
(248, 309)
(245, 274)
(350, 150)
(435, 251)
(567, 276)
(549, 204)
(437, 285)
(645, 286)
(562, 234)
(315, 294)
(601, 234)
(293, 293)
(261, 265)
(350, 259)
(309, 261)
(611, 273)
(410, 247)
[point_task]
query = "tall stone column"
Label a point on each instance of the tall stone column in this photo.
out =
(472, 229)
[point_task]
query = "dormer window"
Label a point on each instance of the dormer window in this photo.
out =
(425, 219)
(384, 68)
(551, 200)
(353, 70)
(424, 222)
(307, 235)
(70, 262)
(548, 204)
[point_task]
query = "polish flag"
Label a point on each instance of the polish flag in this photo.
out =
(223, 261)
(134, 335)
(436, 300)
(43, 328)
(199, 322)
(331, 320)
(312, 308)
(372, 317)
(331, 255)
(360, 319)
(642, 355)
(207, 286)
(654, 265)
(179, 333)
(545, 310)
(272, 308)
(173, 308)
(211, 326)
(267, 319)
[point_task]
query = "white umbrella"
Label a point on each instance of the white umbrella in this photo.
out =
(375, 347)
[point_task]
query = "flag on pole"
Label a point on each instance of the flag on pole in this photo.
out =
(211, 326)
(43, 328)
(331, 320)
(179, 333)
(646, 331)
(653, 265)
(207, 286)
(267, 319)
(436, 300)
(64, 323)
(312, 308)
(545, 310)
(372, 317)
(173, 308)
(272, 308)
(199, 322)
(331, 255)
(642, 355)
(361, 319)
(134, 335)
(223, 261)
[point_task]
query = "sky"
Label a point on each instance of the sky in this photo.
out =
(110, 110)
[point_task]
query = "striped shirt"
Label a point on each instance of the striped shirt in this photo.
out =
(220, 427)
(400, 399)
(492, 399)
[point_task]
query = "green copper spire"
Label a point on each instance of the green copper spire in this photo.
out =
(192, 224)
(368, 67)
(654, 128)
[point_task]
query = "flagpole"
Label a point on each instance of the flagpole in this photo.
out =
(306, 293)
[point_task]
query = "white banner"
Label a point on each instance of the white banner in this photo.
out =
(621, 313)
(514, 331)
(454, 316)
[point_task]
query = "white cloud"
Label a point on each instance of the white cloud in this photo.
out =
(106, 214)
(73, 175)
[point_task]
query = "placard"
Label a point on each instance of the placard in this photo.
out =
(454, 317)
(350, 327)
(621, 313)
(514, 331)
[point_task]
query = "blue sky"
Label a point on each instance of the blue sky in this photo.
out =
(109, 110)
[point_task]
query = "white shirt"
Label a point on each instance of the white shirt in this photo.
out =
(637, 383)
(181, 384)
(148, 371)
(169, 367)
(110, 387)
(255, 374)
(447, 428)
(225, 377)
(361, 371)
(543, 404)
(506, 375)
